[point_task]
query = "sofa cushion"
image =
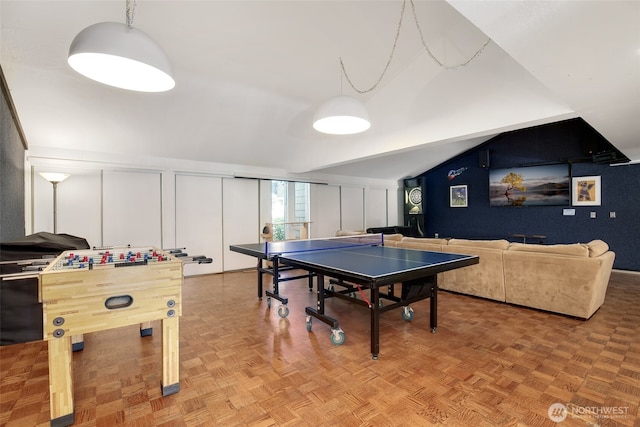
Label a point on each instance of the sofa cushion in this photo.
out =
(485, 279)
(597, 248)
(428, 240)
(488, 244)
(417, 241)
(422, 244)
(341, 233)
(575, 249)
(392, 237)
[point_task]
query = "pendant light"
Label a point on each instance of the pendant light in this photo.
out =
(342, 115)
(119, 55)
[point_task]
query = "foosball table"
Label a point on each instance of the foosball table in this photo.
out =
(94, 290)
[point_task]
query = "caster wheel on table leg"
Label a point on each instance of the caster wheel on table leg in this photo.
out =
(407, 313)
(337, 337)
(283, 311)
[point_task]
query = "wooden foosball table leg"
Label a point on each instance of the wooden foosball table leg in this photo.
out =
(146, 330)
(60, 381)
(170, 356)
(77, 342)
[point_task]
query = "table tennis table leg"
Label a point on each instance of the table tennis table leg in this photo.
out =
(375, 322)
(283, 310)
(337, 334)
(434, 307)
(259, 270)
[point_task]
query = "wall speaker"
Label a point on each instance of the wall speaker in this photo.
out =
(483, 159)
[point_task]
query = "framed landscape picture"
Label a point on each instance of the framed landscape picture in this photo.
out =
(547, 185)
(458, 196)
(586, 191)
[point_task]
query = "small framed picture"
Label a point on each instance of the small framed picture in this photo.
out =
(458, 196)
(586, 191)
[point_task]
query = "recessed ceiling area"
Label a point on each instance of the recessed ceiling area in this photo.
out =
(250, 74)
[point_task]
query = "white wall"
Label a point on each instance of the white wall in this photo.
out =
(202, 207)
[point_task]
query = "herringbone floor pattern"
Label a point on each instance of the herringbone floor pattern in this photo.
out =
(489, 364)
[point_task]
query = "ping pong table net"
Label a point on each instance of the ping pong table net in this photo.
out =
(279, 248)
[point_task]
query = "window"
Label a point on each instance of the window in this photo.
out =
(289, 210)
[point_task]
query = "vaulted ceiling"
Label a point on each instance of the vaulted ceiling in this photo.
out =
(250, 74)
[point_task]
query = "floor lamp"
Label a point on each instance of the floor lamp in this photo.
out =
(55, 179)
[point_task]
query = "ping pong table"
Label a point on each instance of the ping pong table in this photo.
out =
(356, 264)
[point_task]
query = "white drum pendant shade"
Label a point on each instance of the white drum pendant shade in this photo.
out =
(116, 55)
(341, 115)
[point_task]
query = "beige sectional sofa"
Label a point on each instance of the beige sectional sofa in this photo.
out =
(570, 279)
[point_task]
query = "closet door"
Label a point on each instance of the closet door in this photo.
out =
(132, 208)
(325, 210)
(394, 196)
(240, 219)
(199, 220)
(352, 208)
(376, 214)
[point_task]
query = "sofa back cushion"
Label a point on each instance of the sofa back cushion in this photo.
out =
(392, 237)
(487, 244)
(575, 249)
(424, 244)
(429, 240)
(341, 233)
(597, 248)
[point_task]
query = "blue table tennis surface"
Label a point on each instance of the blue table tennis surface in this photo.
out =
(368, 261)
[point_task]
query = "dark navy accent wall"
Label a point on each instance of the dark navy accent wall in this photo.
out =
(547, 144)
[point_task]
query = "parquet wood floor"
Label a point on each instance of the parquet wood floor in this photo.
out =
(489, 364)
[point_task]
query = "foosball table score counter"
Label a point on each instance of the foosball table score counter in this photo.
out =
(94, 290)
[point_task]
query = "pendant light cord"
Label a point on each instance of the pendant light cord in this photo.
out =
(131, 9)
(424, 44)
(393, 49)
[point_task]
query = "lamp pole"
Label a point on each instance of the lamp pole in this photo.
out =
(55, 179)
(55, 206)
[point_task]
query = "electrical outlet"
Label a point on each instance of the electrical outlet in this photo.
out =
(593, 215)
(612, 214)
